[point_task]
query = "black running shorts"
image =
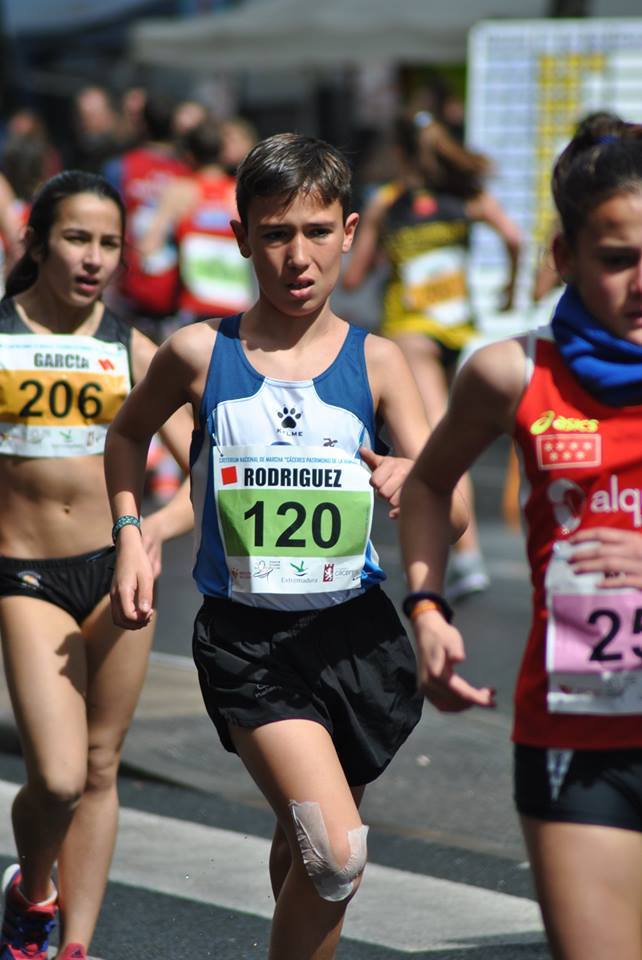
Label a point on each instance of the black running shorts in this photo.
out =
(75, 584)
(349, 667)
(601, 787)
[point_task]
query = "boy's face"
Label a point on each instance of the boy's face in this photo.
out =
(296, 250)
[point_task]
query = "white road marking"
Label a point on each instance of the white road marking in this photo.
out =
(173, 660)
(394, 908)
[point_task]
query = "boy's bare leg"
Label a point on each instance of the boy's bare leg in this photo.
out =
(280, 860)
(296, 760)
(280, 856)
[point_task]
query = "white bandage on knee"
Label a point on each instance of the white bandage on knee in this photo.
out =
(332, 882)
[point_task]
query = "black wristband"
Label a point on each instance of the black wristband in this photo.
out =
(412, 598)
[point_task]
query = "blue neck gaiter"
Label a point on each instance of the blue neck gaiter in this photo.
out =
(607, 366)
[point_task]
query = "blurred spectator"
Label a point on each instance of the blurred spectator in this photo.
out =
(187, 115)
(438, 98)
(11, 226)
(149, 286)
(98, 133)
(422, 223)
(215, 279)
(28, 158)
(26, 162)
(238, 136)
(132, 107)
(26, 123)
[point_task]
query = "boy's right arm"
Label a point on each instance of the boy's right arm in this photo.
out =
(175, 376)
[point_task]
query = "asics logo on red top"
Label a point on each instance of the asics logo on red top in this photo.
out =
(549, 418)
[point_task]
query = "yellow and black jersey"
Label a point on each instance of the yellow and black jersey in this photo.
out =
(426, 238)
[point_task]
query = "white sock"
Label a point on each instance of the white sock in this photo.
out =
(39, 903)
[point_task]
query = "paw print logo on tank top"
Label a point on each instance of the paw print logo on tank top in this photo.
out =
(289, 417)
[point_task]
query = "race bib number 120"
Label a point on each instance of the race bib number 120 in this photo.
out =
(292, 519)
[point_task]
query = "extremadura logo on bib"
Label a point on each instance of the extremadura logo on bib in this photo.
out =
(292, 519)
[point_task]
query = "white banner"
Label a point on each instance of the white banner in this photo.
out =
(529, 82)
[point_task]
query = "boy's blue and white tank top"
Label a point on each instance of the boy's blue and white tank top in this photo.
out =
(282, 500)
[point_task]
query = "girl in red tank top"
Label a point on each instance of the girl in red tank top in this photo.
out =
(571, 397)
(197, 210)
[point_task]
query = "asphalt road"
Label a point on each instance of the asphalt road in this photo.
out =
(447, 877)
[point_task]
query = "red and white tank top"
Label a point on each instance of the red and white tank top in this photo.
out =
(150, 283)
(580, 682)
(20, 210)
(216, 280)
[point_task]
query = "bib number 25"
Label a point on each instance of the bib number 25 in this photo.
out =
(611, 622)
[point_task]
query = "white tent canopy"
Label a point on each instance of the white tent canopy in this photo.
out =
(43, 16)
(282, 34)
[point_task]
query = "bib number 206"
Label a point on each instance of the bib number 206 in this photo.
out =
(60, 399)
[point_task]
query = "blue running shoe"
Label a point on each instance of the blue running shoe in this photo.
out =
(25, 926)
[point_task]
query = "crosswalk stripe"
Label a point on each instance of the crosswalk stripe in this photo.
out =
(396, 909)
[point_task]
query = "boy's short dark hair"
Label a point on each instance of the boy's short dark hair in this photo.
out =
(286, 164)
